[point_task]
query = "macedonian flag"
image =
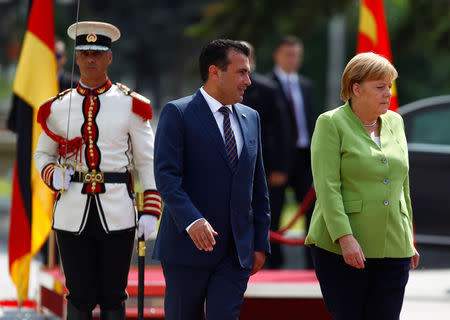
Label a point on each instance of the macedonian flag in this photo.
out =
(31, 202)
(373, 36)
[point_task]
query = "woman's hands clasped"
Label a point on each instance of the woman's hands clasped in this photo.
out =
(352, 252)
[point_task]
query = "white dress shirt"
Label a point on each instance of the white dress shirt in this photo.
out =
(215, 105)
(291, 84)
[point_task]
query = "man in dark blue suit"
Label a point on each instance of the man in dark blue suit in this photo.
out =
(209, 170)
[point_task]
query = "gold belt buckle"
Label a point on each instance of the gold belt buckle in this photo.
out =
(93, 177)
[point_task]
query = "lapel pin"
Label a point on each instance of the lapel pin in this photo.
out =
(244, 116)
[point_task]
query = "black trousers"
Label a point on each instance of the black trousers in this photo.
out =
(96, 264)
(373, 293)
(300, 179)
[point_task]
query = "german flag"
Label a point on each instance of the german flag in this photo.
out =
(373, 36)
(31, 202)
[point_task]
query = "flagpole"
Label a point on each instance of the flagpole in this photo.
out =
(51, 250)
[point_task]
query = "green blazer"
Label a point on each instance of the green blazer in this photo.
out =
(361, 189)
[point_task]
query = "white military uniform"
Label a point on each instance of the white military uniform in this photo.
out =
(116, 133)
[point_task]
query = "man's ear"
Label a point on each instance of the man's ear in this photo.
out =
(110, 57)
(214, 72)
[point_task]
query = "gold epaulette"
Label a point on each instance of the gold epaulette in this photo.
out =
(51, 99)
(123, 88)
(128, 92)
(139, 97)
(63, 93)
(58, 96)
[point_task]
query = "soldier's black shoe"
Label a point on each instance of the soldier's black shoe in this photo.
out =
(114, 314)
(73, 313)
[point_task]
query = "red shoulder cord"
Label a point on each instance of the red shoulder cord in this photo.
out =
(66, 148)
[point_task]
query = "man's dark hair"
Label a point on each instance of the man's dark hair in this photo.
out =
(215, 53)
(290, 40)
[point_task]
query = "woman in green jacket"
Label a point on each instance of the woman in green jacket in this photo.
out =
(361, 232)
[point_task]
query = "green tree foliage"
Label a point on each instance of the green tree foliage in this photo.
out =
(419, 32)
(259, 19)
(421, 48)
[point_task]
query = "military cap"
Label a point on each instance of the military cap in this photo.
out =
(93, 35)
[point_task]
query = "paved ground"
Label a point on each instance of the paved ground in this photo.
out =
(427, 293)
(13, 314)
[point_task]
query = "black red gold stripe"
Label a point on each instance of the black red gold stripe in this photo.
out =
(35, 82)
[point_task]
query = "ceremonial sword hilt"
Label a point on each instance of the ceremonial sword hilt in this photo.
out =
(140, 208)
(63, 168)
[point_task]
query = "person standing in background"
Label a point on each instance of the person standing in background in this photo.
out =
(64, 78)
(264, 96)
(214, 231)
(297, 93)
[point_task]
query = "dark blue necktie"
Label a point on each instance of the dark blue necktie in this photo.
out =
(230, 141)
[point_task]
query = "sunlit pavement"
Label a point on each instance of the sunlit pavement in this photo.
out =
(427, 295)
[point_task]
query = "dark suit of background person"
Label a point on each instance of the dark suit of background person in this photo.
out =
(203, 195)
(264, 96)
(297, 107)
(361, 233)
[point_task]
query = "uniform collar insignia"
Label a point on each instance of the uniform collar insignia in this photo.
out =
(102, 89)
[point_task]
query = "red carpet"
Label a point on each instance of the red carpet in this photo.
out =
(271, 294)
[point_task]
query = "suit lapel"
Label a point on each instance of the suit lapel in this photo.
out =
(305, 96)
(242, 119)
(286, 105)
(208, 122)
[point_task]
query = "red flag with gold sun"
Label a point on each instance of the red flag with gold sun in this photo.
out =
(373, 36)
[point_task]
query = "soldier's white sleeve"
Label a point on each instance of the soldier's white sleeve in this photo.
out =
(46, 154)
(142, 143)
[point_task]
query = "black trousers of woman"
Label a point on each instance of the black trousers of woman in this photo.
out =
(373, 293)
(96, 266)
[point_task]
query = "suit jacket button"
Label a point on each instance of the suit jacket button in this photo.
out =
(385, 202)
(385, 181)
(384, 160)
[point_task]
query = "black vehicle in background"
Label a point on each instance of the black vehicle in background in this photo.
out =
(427, 125)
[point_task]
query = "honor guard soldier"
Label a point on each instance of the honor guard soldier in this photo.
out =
(91, 136)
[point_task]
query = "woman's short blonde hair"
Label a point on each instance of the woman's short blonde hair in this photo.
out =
(365, 66)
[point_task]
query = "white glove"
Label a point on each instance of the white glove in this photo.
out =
(58, 180)
(146, 225)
